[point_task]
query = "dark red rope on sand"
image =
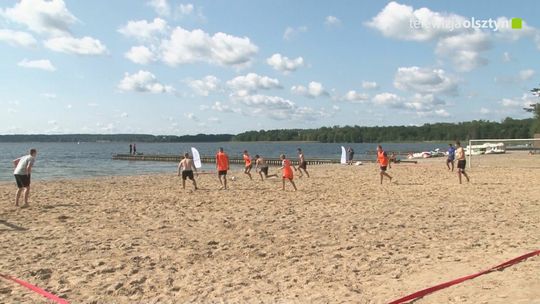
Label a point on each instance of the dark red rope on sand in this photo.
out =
(429, 290)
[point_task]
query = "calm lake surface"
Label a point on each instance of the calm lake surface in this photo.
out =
(82, 160)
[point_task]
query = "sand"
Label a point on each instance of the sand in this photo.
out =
(342, 238)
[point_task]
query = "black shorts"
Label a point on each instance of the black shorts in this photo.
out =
(248, 167)
(461, 164)
(187, 174)
(222, 172)
(22, 180)
(383, 168)
(264, 170)
(303, 165)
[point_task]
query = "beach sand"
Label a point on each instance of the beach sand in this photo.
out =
(342, 238)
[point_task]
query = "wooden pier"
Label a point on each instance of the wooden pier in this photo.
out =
(212, 159)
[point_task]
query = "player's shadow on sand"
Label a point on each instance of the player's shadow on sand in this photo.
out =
(12, 227)
(407, 184)
(57, 206)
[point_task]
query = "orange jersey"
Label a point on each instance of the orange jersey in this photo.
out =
(382, 158)
(287, 169)
(222, 161)
(247, 159)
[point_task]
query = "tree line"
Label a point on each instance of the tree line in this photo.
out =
(508, 128)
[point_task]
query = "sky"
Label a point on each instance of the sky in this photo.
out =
(169, 67)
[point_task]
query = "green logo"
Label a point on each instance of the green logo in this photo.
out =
(517, 23)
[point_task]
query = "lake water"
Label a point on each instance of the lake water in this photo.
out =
(81, 160)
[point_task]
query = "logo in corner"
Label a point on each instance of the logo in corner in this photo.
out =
(517, 23)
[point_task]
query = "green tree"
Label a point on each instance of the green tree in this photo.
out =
(535, 109)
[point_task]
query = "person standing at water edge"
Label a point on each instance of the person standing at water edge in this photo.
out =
(134, 149)
(382, 159)
(451, 157)
(247, 160)
(302, 164)
(350, 155)
(222, 165)
(23, 169)
(287, 172)
(461, 162)
(130, 149)
(262, 167)
(186, 168)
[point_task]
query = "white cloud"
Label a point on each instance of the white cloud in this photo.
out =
(441, 113)
(526, 74)
(424, 103)
(291, 32)
(140, 54)
(50, 17)
(425, 81)
(189, 10)
(143, 30)
(388, 99)
(192, 116)
(206, 85)
(395, 21)
(214, 120)
(17, 38)
(186, 9)
(253, 82)
(463, 46)
(42, 64)
(143, 81)
(49, 95)
(507, 57)
(124, 115)
(161, 7)
(313, 90)
(485, 111)
(521, 77)
(77, 46)
(519, 102)
(284, 64)
(224, 108)
(369, 85)
(277, 108)
(266, 101)
(355, 97)
(465, 50)
(332, 21)
(507, 102)
(185, 46)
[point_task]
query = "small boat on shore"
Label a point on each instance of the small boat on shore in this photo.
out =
(486, 148)
(426, 154)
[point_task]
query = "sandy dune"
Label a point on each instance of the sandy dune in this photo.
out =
(342, 238)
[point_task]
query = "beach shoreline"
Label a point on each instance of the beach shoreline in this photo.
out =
(341, 238)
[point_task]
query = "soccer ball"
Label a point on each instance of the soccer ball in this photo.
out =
(233, 178)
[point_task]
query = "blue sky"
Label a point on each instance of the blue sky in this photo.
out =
(178, 67)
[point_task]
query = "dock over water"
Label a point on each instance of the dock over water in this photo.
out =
(212, 159)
